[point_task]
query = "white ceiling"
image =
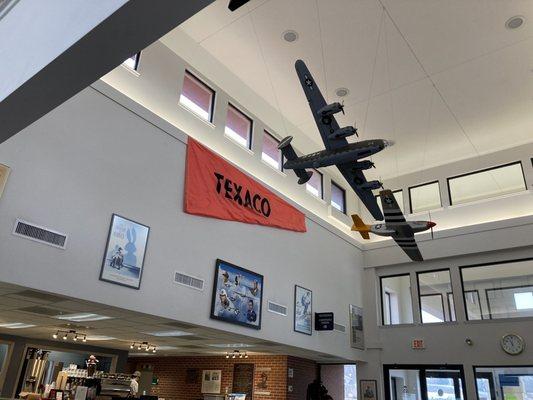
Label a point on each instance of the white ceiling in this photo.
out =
(18, 304)
(444, 79)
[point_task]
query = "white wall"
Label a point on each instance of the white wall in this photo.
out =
(92, 157)
(44, 30)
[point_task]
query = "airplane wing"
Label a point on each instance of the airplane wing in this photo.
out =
(355, 177)
(394, 218)
(326, 125)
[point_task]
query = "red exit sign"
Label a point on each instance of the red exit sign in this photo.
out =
(418, 344)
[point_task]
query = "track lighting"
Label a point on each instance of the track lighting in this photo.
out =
(70, 334)
(55, 335)
(144, 346)
(237, 354)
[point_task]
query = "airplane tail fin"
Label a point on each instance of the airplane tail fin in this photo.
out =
(289, 153)
(360, 226)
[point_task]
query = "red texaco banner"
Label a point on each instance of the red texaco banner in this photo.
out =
(215, 188)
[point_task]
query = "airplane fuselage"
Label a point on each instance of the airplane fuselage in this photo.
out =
(345, 154)
(389, 229)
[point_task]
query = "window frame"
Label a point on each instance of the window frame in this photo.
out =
(488, 264)
(250, 130)
(480, 171)
(420, 185)
(321, 185)
(418, 273)
(381, 277)
(137, 61)
(211, 111)
(267, 132)
(344, 208)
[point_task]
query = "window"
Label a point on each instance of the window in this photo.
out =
(396, 300)
(197, 97)
(500, 290)
(424, 197)
(314, 185)
(132, 62)
(398, 195)
(436, 296)
(271, 154)
(487, 183)
(238, 127)
(350, 382)
(504, 382)
(338, 197)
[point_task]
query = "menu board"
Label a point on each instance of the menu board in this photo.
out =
(243, 379)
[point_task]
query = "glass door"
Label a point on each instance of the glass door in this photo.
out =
(444, 385)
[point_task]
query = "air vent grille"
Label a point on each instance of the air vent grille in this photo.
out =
(339, 328)
(277, 308)
(187, 280)
(40, 234)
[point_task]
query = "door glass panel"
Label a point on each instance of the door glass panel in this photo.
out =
(405, 384)
(506, 383)
(444, 385)
(483, 389)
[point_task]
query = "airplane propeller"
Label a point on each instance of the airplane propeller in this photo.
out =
(356, 133)
(432, 225)
(342, 107)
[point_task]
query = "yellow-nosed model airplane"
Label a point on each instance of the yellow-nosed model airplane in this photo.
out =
(395, 226)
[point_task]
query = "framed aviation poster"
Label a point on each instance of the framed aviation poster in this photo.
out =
(124, 254)
(237, 295)
(356, 327)
(303, 310)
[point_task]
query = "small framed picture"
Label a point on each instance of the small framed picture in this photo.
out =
(124, 254)
(369, 389)
(357, 340)
(303, 310)
(237, 295)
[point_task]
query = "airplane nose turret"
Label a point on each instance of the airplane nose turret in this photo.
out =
(388, 143)
(431, 224)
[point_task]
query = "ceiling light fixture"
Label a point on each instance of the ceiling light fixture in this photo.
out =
(515, 22)
(342, 92)
(16, 325)
(169, 333)
(82, 317)
(290, 36)
(71, 333)
(144, 346)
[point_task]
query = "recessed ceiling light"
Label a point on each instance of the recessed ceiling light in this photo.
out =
(515, 22)
(342, 92)
(169, 333)
(230, 345)
(16, 325)
(100, 337)
(82, 317)
(166, 347)
(290, 36)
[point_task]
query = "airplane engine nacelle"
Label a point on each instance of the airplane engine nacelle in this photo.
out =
(372, 185)
(362, 165)
(343, 132)
(331, 109)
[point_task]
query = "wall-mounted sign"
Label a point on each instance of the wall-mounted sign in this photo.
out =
(418, 344)
(215, 188)
(211, 381)
(324, 321)
(357, 339)
(4, 174)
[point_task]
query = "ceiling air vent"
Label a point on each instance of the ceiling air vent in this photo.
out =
(277, 308)
(339, 328)
(40, 234)
(187, 280)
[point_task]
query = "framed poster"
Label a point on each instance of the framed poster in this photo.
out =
(262, 384)
(211, 381)
(124, 253)
(4, 174)
(243, 379)
(369, 389)
(303, 310)
(237, 295)
(357, 340)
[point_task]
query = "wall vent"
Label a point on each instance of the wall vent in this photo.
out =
(40, 234)
(339, 328)
(187, 280)
(277, 308)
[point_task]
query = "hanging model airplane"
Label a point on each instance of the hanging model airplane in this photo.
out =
(345, 156)
(395, 226)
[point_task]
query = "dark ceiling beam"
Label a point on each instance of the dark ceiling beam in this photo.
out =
(131, 28)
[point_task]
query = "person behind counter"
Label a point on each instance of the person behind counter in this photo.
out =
(134, 384)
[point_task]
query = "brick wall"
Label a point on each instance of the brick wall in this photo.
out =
(172, 373)
(304, 372)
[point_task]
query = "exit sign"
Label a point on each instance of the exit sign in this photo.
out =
(418, 344)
